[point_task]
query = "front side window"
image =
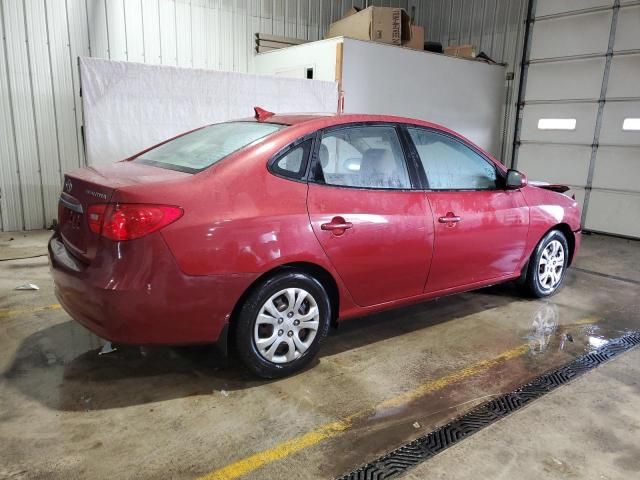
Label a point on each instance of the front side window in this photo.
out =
(451, 165)
(366, 157)
(202, 148)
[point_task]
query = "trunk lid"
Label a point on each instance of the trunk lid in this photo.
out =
(93, 185)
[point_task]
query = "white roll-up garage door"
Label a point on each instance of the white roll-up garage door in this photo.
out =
(580, 119)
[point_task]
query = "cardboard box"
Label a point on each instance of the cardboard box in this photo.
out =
(417, 38)
(463, 51)
(380, 24)
(351, 11)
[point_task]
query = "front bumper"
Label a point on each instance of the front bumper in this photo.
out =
(577, 237)
(134, 293)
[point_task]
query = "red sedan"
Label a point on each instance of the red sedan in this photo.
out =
(261, 233)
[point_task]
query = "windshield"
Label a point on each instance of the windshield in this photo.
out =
(202, 148)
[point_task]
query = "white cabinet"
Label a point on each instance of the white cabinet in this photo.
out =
(464, 95)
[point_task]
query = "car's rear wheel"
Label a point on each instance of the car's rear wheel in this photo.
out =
(547, 265)
(282, 324)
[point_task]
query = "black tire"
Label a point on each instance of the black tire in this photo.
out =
(247, 317)
(532, 286)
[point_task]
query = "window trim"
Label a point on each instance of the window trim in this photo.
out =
(304, 171)
(411, 172)
(500, 174)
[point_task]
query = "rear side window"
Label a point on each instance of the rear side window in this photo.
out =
(366, 157)
(202, 148)
(292, 163)
(451, 165)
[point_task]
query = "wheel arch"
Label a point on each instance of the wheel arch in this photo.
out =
(565, 229)
(571, 241)
(569, 235)
(316, 271)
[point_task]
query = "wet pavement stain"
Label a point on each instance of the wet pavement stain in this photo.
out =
(387, 428)
(415, 452)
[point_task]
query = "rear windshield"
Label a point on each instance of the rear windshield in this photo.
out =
(202, 148)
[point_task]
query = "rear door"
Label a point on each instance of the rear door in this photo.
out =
(376, 230)
(480, 227)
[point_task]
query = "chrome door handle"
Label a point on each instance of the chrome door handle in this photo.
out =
(338, 225)
(449, 219)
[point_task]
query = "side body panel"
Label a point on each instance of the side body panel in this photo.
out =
(487, 243)
(548, 209)
(386, 253)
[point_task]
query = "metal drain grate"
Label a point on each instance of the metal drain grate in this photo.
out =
(403, 458)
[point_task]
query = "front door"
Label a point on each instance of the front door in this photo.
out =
(480, 227)
(376, 231)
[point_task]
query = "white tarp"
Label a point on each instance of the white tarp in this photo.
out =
(131, 106)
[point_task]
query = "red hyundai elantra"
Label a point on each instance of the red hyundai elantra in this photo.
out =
(262, 232)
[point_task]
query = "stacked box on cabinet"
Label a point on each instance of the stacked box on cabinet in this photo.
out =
(379, 24)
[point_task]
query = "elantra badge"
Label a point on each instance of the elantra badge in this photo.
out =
(101, 196)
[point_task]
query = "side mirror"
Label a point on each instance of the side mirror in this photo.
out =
(515, 179)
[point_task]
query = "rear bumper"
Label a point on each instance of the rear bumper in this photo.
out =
(134, 293)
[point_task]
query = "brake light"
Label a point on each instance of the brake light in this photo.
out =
(128, 221)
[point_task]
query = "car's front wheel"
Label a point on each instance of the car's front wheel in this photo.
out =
(282, 324)
(547, 265)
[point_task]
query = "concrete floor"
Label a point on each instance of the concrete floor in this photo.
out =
(589, 429)
(67, 412)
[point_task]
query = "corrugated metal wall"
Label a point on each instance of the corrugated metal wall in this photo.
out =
(40, 109)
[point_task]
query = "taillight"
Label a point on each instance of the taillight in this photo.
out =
(124, 221)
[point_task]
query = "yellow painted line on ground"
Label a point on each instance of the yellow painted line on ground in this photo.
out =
(587, 321)
(454, 377)
(324, 432)
(27, 311)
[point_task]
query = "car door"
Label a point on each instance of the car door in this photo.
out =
(480, 226)
(374, 227)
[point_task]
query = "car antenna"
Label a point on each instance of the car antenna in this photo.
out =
(262, 114)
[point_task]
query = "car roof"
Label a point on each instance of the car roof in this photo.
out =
(327, 119)
(296, 118)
